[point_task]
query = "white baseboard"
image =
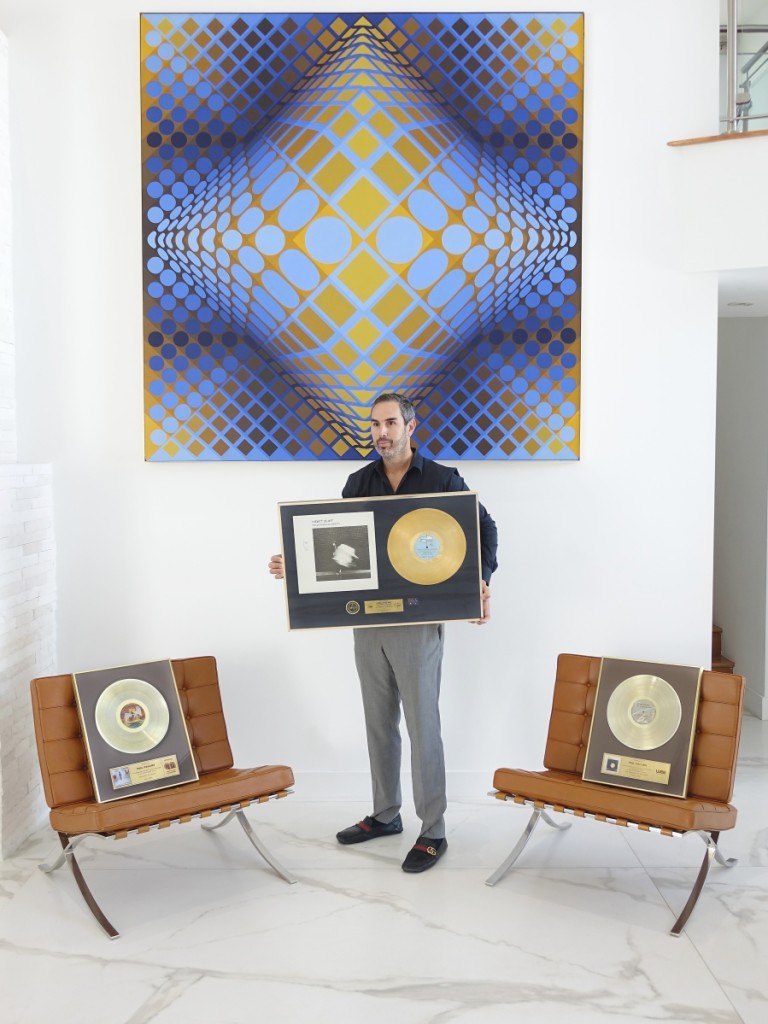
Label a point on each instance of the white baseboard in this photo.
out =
(756, 703)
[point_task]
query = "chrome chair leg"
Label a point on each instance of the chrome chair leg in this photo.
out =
(265, 853)
(69, 845)
(712, 852)
(561, 825)
(522, 841)
(518, 849)
(68, 853)
(726, 862)
(255, 842)
(520, 845)
(211, 826)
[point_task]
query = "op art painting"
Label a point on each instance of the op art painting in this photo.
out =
(338, 205)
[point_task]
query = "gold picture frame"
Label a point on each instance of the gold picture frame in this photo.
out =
(134, 729)
(401, 560)
(643, 726)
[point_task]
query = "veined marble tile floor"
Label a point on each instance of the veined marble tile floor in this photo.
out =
(578, 931)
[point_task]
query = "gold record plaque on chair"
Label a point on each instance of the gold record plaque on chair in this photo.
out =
(643, 725)
(134, 729)
(132, 716)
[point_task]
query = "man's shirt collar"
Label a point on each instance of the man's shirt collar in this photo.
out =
(417, 463)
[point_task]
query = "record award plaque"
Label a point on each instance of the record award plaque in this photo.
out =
(400, 560)
(643, 726)
(134, 729)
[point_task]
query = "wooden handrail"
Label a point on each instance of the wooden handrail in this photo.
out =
(719, 138)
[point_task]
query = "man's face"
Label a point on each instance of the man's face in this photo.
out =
(391, 436)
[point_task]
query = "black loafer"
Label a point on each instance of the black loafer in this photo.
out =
(369, 828)
(424, 854)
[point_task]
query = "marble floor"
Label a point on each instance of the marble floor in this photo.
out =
(578, 931)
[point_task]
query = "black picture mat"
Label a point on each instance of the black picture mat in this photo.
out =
(677, 751)
(458, 598)
(102, 756)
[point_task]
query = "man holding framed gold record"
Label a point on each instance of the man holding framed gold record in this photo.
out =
(401, 665)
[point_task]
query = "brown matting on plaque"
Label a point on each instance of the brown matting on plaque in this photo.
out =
(386, 561)
(134, 729)
(643, 726)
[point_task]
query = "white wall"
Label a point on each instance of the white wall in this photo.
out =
(741, 526)
(721, 216)
(27, 557)
(610, 556)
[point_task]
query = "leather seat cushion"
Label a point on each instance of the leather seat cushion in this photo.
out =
(566, 789)
(213, 790)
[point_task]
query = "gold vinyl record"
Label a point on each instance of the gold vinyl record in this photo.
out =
(644, 712)
(426, 546)
(132, 715)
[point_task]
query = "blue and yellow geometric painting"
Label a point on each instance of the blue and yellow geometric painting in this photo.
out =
(337, 205)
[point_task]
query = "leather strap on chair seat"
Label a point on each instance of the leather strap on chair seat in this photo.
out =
(566, 789)
(213, 790)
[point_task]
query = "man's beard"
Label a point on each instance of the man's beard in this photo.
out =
(396, 449)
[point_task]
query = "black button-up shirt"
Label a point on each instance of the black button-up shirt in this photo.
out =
(424, 477)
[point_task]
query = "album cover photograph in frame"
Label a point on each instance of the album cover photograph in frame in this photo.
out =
(335, 552)
(381, 561)
(134, 729)
(643, 726)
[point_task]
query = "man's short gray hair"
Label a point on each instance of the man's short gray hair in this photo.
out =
(406, 406)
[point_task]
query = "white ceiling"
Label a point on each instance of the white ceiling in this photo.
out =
(744, 286)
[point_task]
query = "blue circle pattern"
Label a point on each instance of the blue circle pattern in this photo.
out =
(496, 290)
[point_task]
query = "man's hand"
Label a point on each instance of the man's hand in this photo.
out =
(276, 567)
(486, 599)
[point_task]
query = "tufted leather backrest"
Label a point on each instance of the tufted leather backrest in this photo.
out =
(61, 750)
(718, 725)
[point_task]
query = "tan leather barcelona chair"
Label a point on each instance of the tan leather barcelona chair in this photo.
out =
(75, 814)
(706, 809)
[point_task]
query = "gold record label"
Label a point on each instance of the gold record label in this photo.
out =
(636, 768)
(426, 546)
(382, 606)
(644, 712)
(132, 716)
(144, 771)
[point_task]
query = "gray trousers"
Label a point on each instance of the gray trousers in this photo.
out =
(402, 664)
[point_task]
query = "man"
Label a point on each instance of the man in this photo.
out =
(401, 665)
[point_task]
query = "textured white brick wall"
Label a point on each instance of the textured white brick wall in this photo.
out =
(27, 560)
(27, 639)
(7, 404)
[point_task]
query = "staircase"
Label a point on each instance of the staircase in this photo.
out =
(719, 662)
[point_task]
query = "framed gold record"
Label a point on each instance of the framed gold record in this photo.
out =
(400, 560)
(644, 712)
(426, 546)
(132, 715)
(643, 723)
(134, 729)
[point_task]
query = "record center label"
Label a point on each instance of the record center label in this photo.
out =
(144, 771)
(381, 607)
(636, 768)
(427, 546)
